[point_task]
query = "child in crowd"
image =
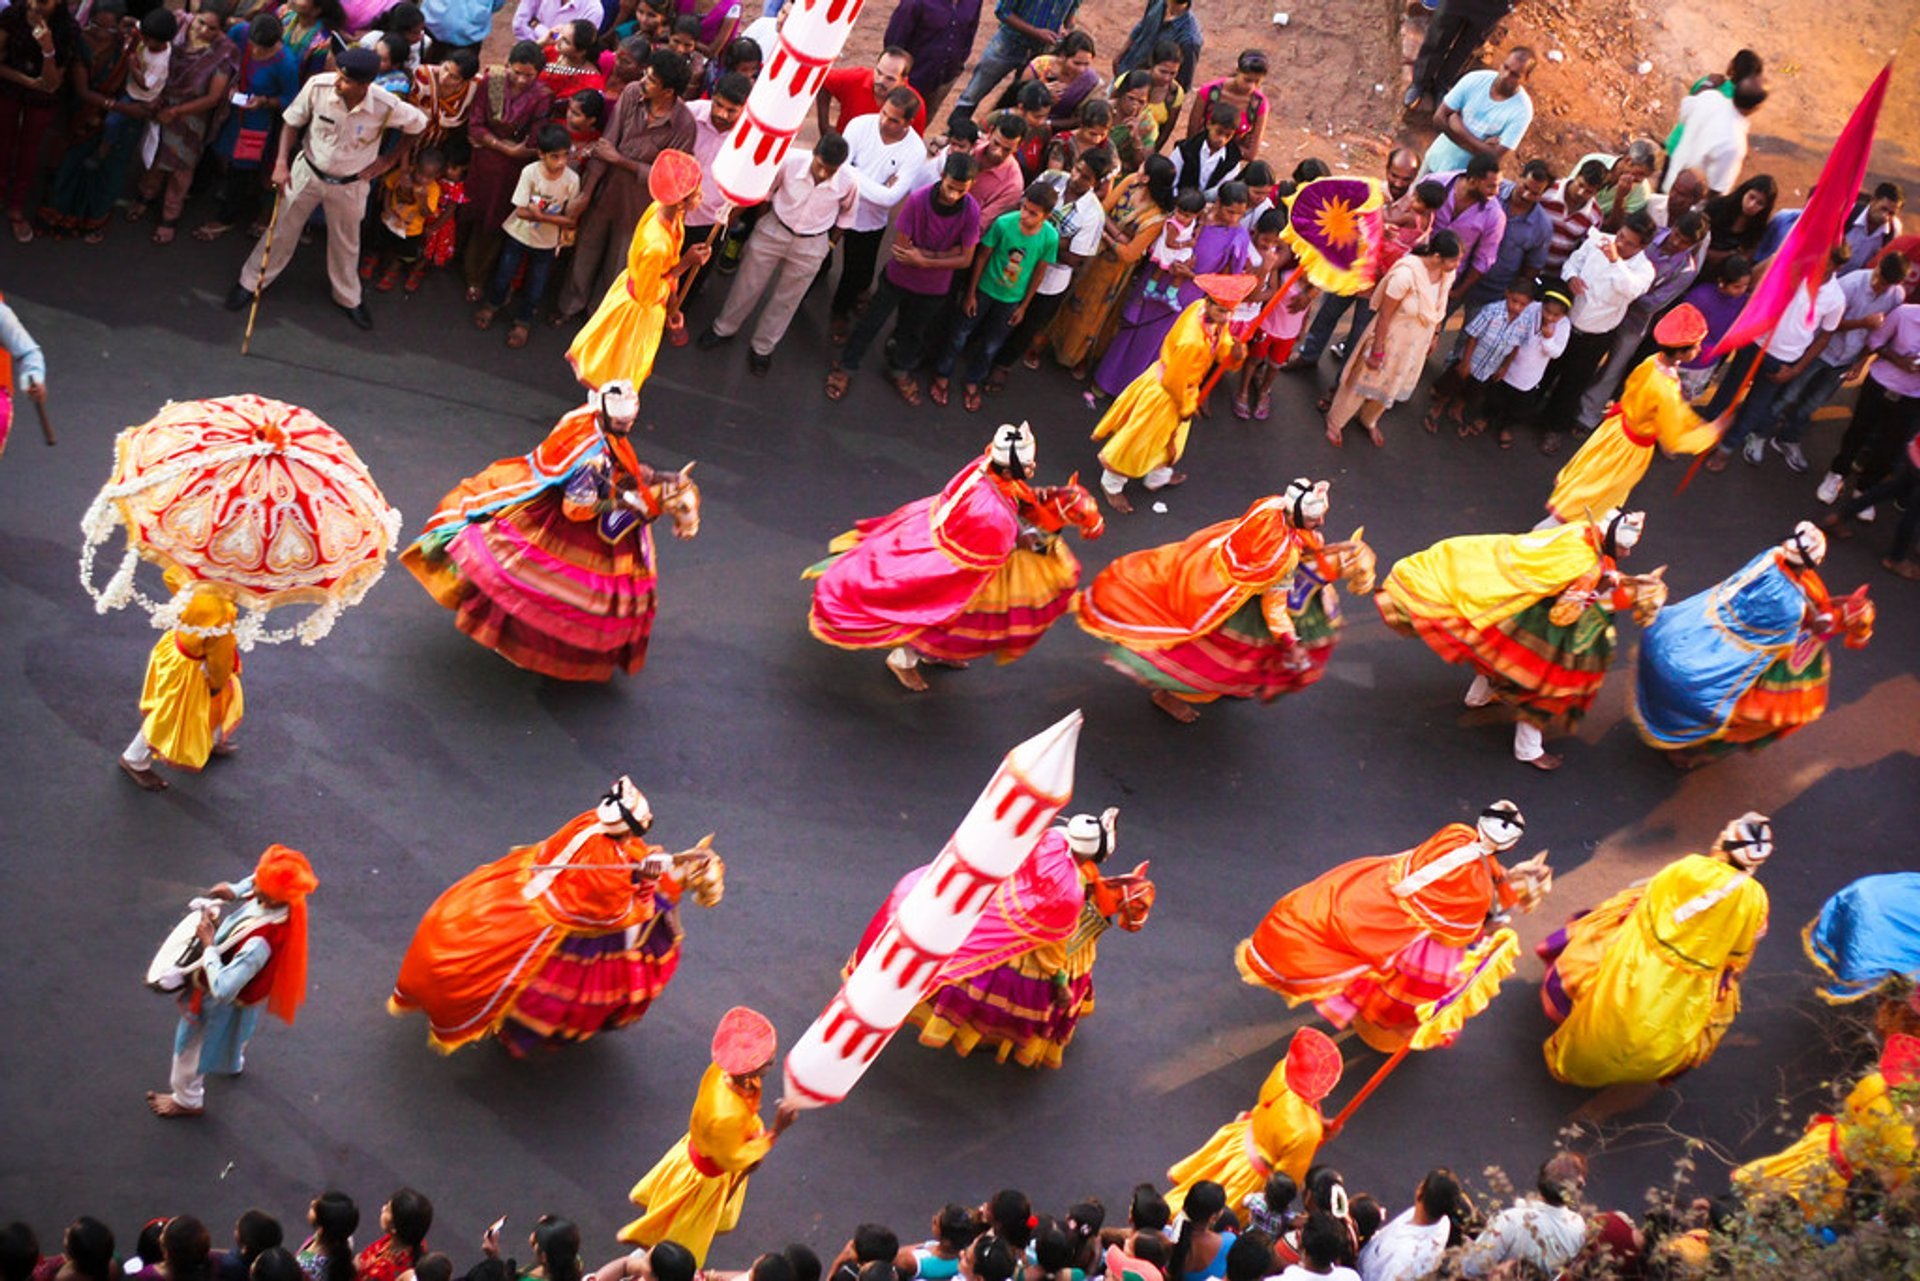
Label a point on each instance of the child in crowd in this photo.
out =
(586, 112)
(962, 136)
(406, 21)
(1406, 222)
(1173, 249)
(1093, 125)
(409, 201)
(1272, 342)
(1006, 272)
(1514, 399)
(1719, 300)
(440, 244)
(394, 75)
(1260, 184)
(953, 1231)
(685, 41)
(1035, 108)
(1486, 352)
(740, 54)
(542, 210)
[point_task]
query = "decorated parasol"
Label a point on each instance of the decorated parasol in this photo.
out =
(1334, 228)
(257, 500)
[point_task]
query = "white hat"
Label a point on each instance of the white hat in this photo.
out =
(1501, 825)
(1747, 841)
(1094, 836)
(618, 399)
(1014, 450)
(1623, 530)
(1306, 502)
(624, 810)
(1808, 546)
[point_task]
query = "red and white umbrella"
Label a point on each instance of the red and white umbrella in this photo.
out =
(258, 500)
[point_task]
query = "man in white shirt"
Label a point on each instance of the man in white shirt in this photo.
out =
(812, 199)
(1799, 338)
(1409, 1247)
(1079, 219)
(713, 122)
(1605, 275)
(883, 155)
(1546, 1231)
(1870, 296)
(1713, 136)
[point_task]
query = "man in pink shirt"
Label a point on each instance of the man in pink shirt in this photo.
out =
(999, 183)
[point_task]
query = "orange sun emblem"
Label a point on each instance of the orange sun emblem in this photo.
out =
(1336, 222)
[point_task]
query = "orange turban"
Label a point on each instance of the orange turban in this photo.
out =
(744, 1042)
(673, 177)
(1228, 291)
(285, 876)
(1681, 327)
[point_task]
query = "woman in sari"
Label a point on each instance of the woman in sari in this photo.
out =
(1386, 364)
(1067, 74)
(510, 102)
(573, 63)
(1219, 248)
(95, 78)
(445, 91)
(305, 28)
(204, 62)
(1133, 132)
(1136, 207)
(39, 40)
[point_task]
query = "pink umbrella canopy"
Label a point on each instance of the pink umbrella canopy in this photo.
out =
(258, 500)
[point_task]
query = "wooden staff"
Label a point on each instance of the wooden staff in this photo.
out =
(46, 427)
(685, 286)
(266, 257)
(1213, 379)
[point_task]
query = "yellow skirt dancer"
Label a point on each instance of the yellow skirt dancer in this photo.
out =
(622, 337)
(191, 701)
(1282, 1131)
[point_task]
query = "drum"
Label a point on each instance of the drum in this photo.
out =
(179, 957)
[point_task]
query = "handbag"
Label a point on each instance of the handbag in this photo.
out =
(249, 145)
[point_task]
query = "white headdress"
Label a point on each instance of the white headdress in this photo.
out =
(1623, 530)
(1501, 825)
(1094, 836)
(619, 400)
(1808, 546)
(624, 810)
(1747, 841)
(1306, 502)
(1014, 450)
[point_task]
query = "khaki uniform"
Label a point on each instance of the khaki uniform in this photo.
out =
(339, 143)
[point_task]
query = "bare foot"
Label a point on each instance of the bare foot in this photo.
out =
(1184, 712)
(1119, 502)
(161, 1103)
(910, 677)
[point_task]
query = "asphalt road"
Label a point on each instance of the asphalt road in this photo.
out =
(398, 754)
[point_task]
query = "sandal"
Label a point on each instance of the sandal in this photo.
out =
(1473, 428)
(908, 387)
(1373, 434)
(1324, 404)
(1506, 438)
(840, 330)
(1551, 445)
(207, 231)
(1263, 407)
(1241, 409)
(970, 399)
(138, 211)
(389, 279)
(475, 294)
(1432, 421)
(1032, 359)
(997, 381)
(837, 381)
(518, 335)
(97, 236)
(483, 319)
(416, 278)
(162, 235)
(937, 391)
(1335, 439)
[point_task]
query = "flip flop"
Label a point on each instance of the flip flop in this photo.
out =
(970, 400)
(837, 381)
(518, 335)
(938, 391)
(1241, 409)
(908, 388)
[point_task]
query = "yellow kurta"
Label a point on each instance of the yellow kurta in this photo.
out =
(1602, 473)
(1282, 1132)
(1485, 579)
(1668, 986)
(1148, 421)
(623, 335)
(1871, 1133)
(681, 1203)
(192, 690)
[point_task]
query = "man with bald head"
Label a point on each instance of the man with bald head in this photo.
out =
(1403, 163)
(1689, 192)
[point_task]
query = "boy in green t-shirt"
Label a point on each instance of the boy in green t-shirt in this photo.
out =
(1006, 271)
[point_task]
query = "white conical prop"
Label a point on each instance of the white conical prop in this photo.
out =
(812, 35)
(1033, 783)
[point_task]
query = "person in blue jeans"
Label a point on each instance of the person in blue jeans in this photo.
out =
(1795, 345)
(1006, 272)
(1028, 28)
(543, 207)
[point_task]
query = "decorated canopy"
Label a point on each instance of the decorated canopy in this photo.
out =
(257, 500)
(1334, 226)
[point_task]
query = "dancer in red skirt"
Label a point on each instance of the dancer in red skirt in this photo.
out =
(557, 941)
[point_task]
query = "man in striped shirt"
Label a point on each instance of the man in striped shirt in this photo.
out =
(1570, 204)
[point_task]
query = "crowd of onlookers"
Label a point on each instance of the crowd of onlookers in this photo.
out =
(1287, 1232)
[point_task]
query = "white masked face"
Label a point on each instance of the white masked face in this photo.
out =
(1748, 840)
(623, 795)
(1307, 502)
(619, 402)
(1808, 546)
(1627, 530)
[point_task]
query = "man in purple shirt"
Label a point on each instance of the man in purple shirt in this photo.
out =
(1472, 212)
(934, 235)
(1677, 255)
(939, 35)
(1888, 411)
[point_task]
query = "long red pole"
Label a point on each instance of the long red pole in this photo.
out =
(1374, 1082)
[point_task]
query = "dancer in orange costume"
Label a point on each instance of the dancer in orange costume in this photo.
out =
(697, 1189)
(1281, 1132)
(1373, 939)
(558, 941)
(1241, 609)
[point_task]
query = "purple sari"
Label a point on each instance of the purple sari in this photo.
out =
(1144, 321)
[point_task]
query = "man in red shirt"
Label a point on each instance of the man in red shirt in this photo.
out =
(861, 90)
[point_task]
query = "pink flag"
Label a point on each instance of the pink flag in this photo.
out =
(1820, 226)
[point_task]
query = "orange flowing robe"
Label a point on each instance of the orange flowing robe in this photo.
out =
(492, 932)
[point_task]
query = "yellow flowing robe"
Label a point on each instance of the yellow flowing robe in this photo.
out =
(192, 690)
(623, 335)
(1148, 422)
(1602, 473)
(1485, 579)
(1871, 1133)
(1282, 1132)
(680, 1201)
(1668, 987)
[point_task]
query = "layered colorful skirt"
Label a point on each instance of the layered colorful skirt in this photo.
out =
(1548, 673)
(1384, 1008)
(1009, 615)
(1783, 699)
(593, 983)
(552, 594)
(1866, 940)
(1241, 658)
(1017, 1010)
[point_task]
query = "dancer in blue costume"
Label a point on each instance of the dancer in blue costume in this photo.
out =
(1866, 940)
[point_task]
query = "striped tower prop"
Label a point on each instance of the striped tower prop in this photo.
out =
(812, 35)
(1033, 783)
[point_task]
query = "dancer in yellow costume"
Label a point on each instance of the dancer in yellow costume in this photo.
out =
(1146, 426)
(1651, 411)
(1648, 982)
(696, 1189)
(1281, 1132)
(191, 702)
(622, 337)
(1874, 1133)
